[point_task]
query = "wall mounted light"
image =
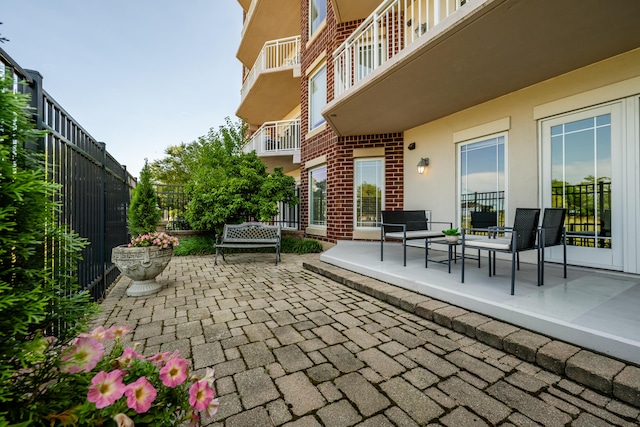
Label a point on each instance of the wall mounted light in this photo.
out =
(422, 165)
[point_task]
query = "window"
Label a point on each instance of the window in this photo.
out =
(369, 192)
(318, 196)
(482, 178)
(317, 14)
(317, 96)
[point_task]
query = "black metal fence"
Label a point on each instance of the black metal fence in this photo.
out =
(95, 188)
(173, 202)
(489, 201)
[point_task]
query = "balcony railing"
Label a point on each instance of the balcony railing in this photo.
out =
(272, 138)
(394, 25)
(281, 53)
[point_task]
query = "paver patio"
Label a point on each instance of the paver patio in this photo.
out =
(293, 348)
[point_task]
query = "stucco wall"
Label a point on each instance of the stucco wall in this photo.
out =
(437, 189)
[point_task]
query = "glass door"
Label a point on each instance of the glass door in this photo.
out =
(581, 173)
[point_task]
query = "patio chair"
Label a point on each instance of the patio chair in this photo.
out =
(553, 233)
(523, 237)
(483, 220)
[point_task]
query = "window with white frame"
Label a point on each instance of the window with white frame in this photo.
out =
(317, 96)
(317, 14)
(368, 192)
(482, 179)
(318, 196)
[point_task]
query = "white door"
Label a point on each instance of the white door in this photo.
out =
(582, 171)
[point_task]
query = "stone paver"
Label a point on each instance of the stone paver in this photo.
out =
(291, 347)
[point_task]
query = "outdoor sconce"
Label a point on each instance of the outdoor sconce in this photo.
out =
(422, 165)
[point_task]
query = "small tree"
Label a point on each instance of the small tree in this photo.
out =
(144, 214)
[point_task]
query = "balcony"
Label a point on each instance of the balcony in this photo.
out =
(349, 10)
(272, 87)
(267, 20)
(246, 4)
(430, 58)
(277, 144)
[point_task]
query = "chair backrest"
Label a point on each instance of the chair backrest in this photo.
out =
(552, 223)
(484, 219)
(415, 220)
(526, 226)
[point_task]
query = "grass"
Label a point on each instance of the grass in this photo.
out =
(203, 245)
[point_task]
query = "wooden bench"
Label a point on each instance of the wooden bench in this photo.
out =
(409, 225)
(251, 235)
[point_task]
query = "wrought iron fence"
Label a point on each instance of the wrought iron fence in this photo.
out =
(173, 201)
(95, 188)
(489, 201)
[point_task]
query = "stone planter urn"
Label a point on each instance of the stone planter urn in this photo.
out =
(142, 265)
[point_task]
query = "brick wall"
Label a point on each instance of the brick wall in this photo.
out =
(339, 150)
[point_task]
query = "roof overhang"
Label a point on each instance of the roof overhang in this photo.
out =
(350, 10)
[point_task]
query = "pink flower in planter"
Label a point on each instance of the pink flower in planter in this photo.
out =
(83, 355)
(200, 395)
(140, 395)
(106, 388)
(174, 372)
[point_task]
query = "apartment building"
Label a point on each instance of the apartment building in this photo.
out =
(455, 107)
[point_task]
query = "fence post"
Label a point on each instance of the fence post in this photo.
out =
(103, 216)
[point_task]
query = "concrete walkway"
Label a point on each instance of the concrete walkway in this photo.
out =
(292, 347)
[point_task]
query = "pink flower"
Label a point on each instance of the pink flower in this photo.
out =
(83, 355)
(159, 359)
(200, 395)
(140, 395)
(174, 372)
(123, 421)
(118, 331)
(212, 407)
(106, 388)
(127, 356)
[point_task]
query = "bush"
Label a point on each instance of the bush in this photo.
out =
(204, 245)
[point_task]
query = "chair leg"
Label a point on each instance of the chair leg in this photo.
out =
(404, 246)
(462, 278)
(426, 253)
(518, 260)
(478, 258)
(564, 254)
(381, 248)
(513, 273)
(540, 266)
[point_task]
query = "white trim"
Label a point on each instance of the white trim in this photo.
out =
(593, 97)
(311, 69)
(316, 130)
(315, 162)
(496, 126)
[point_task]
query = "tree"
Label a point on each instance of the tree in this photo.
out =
(144, 214)
(227, 185)
(38, 291)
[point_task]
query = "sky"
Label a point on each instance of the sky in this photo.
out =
(139, 75)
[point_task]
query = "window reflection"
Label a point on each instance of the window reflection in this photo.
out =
(318, 196)
(369, 182)
(581, 179)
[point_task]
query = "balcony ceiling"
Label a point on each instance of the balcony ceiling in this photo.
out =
(273, 95)
(245, 4)
(269, 20)
(499, 47)
(350, 10)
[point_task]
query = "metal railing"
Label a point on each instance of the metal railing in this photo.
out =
(488, 201)
(393, 26)
(94, 188)
(275, 54)
(278, 137)
(173, 201)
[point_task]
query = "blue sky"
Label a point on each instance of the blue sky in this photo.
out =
(139, 75)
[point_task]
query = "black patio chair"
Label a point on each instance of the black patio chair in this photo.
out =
(483, 220)
(553, 233)
(523, 237)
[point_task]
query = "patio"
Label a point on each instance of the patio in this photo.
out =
(591, 308)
